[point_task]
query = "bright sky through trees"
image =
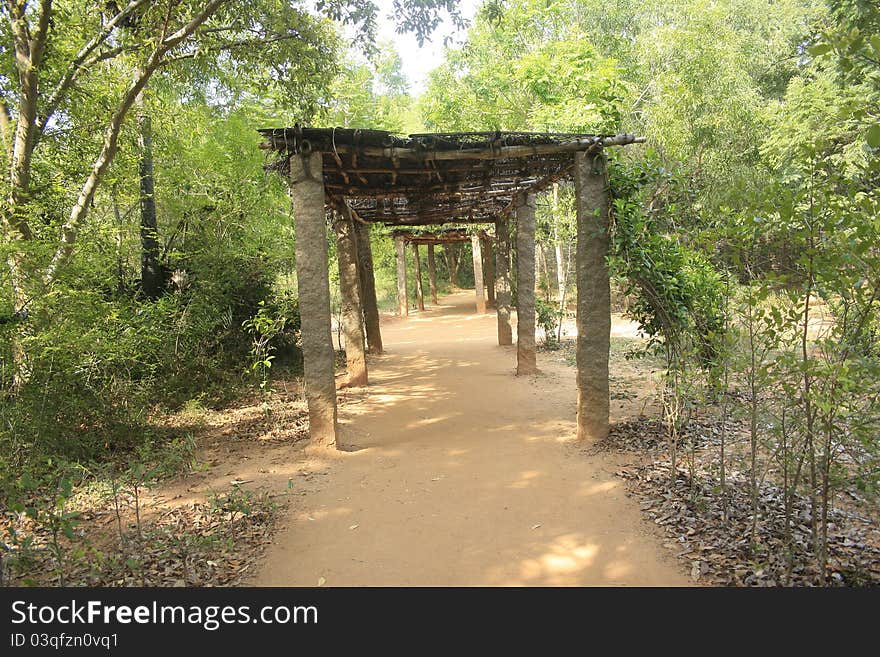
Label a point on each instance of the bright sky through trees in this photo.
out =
(418, 61)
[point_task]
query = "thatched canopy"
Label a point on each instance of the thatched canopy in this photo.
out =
(438, 235)
(439, 178)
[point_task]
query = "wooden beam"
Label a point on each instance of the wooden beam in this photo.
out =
(501, 153)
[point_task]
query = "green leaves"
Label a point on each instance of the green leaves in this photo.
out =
(873, 136)
(820, 49)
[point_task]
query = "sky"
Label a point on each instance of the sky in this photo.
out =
(417, 62)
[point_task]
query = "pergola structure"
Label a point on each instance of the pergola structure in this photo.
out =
(481, 247)
(372, 176)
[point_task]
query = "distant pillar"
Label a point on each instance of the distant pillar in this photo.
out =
(420, 298)
(352, 310)
(502, 280)
(402, 303)
(368, 287)
(478, 274)
(313, 285)
(593, 295)
(526, 360)
(432, 274)
(489, 271)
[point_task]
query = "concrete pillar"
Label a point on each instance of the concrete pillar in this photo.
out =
(420, 298)
(432, 274)
(526, 360)
(502, 280)
(402, 303)
(489, 271)
(368, 287)
(592, 200)
(352, 309)
(313, 285)
(478, 274)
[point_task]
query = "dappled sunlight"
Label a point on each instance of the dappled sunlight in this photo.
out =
(597, 489)
(525, 479)
(323, 514)
(459, 472)
(558, 563)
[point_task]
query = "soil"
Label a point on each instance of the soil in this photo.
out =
(456, 473)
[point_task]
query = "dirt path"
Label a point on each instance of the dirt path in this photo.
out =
(462, 474)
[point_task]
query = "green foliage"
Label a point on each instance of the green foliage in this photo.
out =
(547, 316)
(678, 293)
(518, 72)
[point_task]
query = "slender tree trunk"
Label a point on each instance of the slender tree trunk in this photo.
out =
(368, 288)
(402, 302)
(120, 271)
(352, 310)
(542, 271)
(489, 271)
(561, 261)
(478, 274)
(432, 274)
(151, 272)
(502, 279)
(455, 256)
(420, 297)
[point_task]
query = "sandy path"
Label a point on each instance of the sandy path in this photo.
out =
(463, 474)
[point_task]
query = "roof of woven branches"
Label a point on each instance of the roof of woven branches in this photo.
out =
(422, 234)
(432, 179)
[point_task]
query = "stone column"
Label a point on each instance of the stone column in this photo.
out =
(592, 199)
(478, 274)
(502, 280)
(432, 274)
(526, 360)
(402, 303)
(368, 287)
(420, 298)
(313, 285)
(350, 294)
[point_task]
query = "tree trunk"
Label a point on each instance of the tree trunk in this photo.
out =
(420, 297)
(502, 280)
(526, 359)
(489, 270)
(313, 286)
(561, 260)
(352, 309)
(478, 274)
(151, 272)
(402, 303)
(432, 275)
(368, 287)
(593, 296)
(454, 256)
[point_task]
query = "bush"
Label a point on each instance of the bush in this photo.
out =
(101, 363)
